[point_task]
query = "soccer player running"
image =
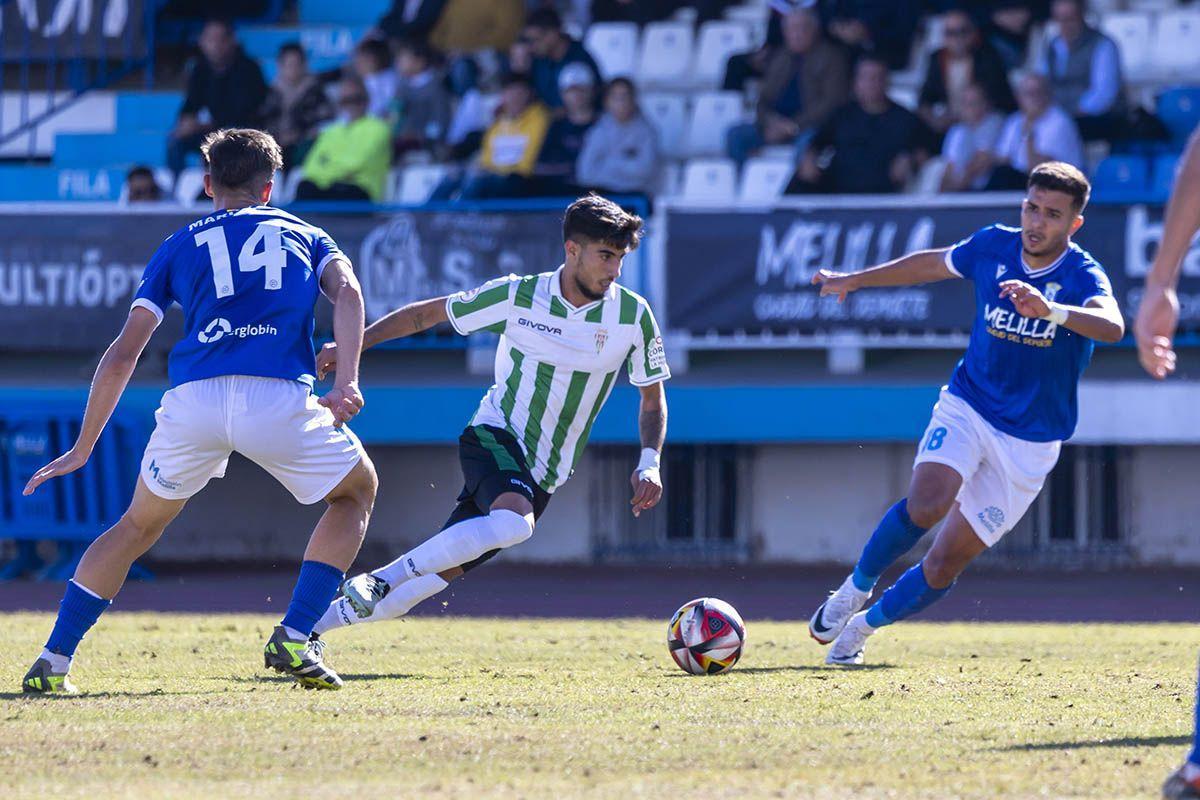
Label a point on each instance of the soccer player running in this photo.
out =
(997, 428)
(564, 336)
(1157, 319)
(247, 277)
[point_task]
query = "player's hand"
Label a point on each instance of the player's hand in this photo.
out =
(1154, 330)
(647, 490)
(1028, 300)
(65, 464)
(326, 360)
(344, 401)
(839, 283)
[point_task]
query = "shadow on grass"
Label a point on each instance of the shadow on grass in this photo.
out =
(1126, 741)
(86, 695)
(815, 668)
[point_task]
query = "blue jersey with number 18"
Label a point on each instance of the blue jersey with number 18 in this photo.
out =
(247, 280)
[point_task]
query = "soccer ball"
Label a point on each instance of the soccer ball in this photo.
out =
(706, 636)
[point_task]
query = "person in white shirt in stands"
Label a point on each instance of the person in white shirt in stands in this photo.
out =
(1084, 68)
(1040, 131)
(970, 142)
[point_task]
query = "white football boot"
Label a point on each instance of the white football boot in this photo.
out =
(836, 611)
(848, 648)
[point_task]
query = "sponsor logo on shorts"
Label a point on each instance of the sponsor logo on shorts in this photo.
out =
(219, 328)
(992, 518)
(156, 473)
(522, 484)
(539, 326)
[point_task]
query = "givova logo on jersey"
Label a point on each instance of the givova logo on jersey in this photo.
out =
(219, 328)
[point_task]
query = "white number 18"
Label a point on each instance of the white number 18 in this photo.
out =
(270, 257)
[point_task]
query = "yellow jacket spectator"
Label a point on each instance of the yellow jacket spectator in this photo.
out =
(512, 144)
(350, 159)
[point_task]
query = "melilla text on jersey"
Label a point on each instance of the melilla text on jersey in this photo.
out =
(1004, 323)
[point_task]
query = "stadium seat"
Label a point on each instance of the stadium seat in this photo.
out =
(666, 54)
(1131, 31)
(147, 111)
(764, 179)
(286, 184)
(48, 183)
(928, 179)
(339, 12)
(1179, 109)
(712, 115)
(668, 113)
(1122, 178)
(1162, 175)
(1177, 43)
(718, 41)
(614, 46)
(709, 180)
(417, 182)
(189, 185)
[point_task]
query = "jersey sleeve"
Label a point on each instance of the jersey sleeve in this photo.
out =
(154, 292)
(1095, 284)
(325, 249)
(484, 308)
(648, 359)
(962, 257)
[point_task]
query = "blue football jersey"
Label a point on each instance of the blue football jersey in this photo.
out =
(247, 280)
(1020, 374)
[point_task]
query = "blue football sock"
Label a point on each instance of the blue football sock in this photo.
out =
(907, 596)
(895, 536)
(77, 613)
(315, 589)
(1194, 756)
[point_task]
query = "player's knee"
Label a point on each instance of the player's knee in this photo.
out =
(927, 506)
(359, 488)
(942, 567)
(137, 531)
(509, 528)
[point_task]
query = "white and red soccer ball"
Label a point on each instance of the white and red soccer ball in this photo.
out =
(706, 636)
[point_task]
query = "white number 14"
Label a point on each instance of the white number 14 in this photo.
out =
(270, 257)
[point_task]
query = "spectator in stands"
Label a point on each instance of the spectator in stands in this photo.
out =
(411, 19)
(422, 105)
(373, 65)
(1040, 131)
(620, 152)
(1008, 29)
(970, 142)
(564, 140)
(805, 81)
(350, 159)
(510, 147)
(225, 89)
(965, 59)
(883, 28)
(1084, 68)
(141, 187)
(296, 104)
(744, 67)
(871, 144)
(553, 50)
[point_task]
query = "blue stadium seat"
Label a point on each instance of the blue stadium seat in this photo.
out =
(1179, 109)
(41, 184)
(335, 12)
(1122, 178)
(147, 111)
(110, 149)
(1162, 176)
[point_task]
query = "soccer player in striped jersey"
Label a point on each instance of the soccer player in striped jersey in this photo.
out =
(1157, 319)
(564, 336)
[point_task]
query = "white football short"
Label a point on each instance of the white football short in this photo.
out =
(275, 423)
(1002, 475)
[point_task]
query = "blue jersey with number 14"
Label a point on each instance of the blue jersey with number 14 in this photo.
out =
(247, 280)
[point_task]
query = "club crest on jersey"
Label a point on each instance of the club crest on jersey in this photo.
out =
(1052, 290)
(601, 338)
(1000, 270)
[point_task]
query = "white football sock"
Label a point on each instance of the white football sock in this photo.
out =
(398, 602)
(458, 544)
(58, 662)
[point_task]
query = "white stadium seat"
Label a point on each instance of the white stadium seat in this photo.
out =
(189, 185)
(666, 54)
(1177, 43)
(614, 46)
(1131, 31)
(417, 182)
(718, 41)
(712, 115)
(764, 179)
(668, 113)
(286, 184)
(709, 180)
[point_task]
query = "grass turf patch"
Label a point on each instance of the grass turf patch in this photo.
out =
(180, 706)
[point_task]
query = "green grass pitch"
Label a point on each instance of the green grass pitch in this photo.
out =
(179, 706)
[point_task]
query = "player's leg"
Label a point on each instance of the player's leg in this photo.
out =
(99, 577)
(1184, 783)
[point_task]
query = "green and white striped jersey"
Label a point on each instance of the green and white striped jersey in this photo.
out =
(556, 364)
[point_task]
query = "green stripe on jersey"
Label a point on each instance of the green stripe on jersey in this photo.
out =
(503, 459)
(596, 314)
(497, 294)
(512, 385)
(496, 327)
(557, 307)
(525, 292)
(647, 340)
(629, 307)
(579, 381)
(542, 383)
(587, 429)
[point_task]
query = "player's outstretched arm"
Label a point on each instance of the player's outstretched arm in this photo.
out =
(1099, 319)
(1158, 313)
(340, 285)
(112, 376)
(652, 427)
(404, 321)
(923, 266)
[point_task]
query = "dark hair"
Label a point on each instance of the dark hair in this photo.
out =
(241, 158)
(872, 58)
(544, 19)
(140, 171)
(224, 22)
(621, 81)
(291, 47)
(516, 79)
(1058, 176)
(419, 48)
(593, 218)
(377, 49)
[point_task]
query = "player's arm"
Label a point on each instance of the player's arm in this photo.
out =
(923, 266)
(404, 321)
(341, 286)
(112, 376)
(1158, 313)
(1099, 318)
(652, 428)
